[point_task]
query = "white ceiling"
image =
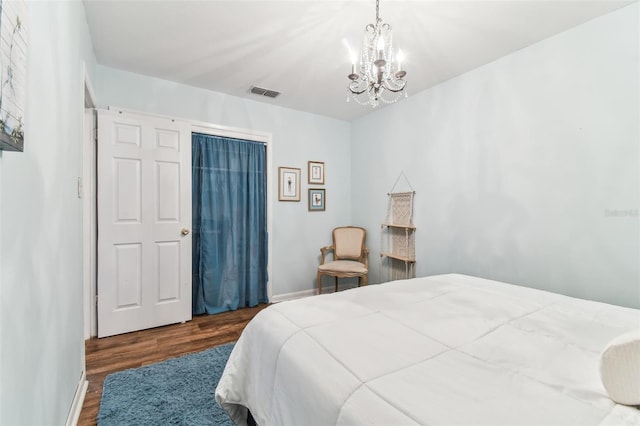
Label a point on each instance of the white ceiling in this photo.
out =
(296, 47)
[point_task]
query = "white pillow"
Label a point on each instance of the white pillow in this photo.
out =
(620, 368)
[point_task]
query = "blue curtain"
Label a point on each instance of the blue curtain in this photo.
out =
(229, 224)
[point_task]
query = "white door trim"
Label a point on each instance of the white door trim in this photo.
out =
(89, 219)
(88, 100)
(202, 127)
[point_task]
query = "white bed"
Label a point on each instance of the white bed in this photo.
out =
(445, 350)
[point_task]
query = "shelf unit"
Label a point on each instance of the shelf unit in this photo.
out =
(397, 245)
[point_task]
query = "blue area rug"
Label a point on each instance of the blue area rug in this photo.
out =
(179, 391)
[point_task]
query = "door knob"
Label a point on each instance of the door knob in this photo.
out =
(184, 231)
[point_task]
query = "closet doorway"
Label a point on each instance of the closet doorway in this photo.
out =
(144, 244)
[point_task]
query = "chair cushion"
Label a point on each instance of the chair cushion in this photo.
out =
(343, 266)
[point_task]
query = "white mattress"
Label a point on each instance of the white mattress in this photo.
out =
(445, 350)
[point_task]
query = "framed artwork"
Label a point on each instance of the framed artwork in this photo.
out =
(13, 73)
(288, 184)
(316, 172)
(316, 199)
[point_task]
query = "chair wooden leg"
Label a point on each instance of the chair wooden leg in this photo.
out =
(365, 279)
(336, 284)
(359, 281)
(319, 282)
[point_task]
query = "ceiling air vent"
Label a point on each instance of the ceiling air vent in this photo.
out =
(264, 92)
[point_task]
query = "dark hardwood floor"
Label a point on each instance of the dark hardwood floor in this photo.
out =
(110, 354)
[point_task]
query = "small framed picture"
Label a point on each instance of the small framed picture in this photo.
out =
(288, 184)
(316, 199)
(316, 172)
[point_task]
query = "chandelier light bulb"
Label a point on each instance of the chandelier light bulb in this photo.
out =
(400, 73)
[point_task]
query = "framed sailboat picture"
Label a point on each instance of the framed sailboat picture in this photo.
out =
(13, 73)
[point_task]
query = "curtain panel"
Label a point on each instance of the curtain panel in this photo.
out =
(229, 224)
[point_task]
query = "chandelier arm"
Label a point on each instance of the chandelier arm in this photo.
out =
(356, 92)
(389, 88)
(353, 87)
(395, 90)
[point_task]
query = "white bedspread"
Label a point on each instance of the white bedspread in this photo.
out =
(442, 350)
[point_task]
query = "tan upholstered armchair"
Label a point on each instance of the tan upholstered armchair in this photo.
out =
(350, 256)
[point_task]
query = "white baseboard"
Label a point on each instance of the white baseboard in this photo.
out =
(306, 293)
(78, 400)
(292, 296)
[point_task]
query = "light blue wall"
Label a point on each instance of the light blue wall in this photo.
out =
(521, 165)
(41, 330)
(520, 168)
(297, 137)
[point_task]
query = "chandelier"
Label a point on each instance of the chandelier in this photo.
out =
(380, 75)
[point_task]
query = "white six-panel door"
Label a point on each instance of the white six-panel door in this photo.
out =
(144, 222)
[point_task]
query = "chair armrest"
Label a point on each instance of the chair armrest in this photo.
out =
(365, 254)
(324, 251)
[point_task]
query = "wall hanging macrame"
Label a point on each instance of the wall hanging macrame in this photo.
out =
(398, 236)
